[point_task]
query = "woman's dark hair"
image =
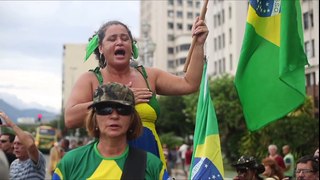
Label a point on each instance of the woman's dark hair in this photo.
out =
(101, 35)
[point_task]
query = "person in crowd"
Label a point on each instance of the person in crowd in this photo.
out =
(273, 153)
(173, 156)
(114, 47)
(248, 168)
(4, 170)
(188, 158)
(272, 170)
(113, 121)
(316, 154)
(182, 153)
(30, 162)
(56, 153)
(289, 162)
(6, 144)
(307, 168)
(64, 144)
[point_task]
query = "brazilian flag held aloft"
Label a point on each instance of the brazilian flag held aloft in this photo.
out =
(270, 78)
(206, 157)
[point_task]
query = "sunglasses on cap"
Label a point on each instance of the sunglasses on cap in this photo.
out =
(108, 109)
(242, 170)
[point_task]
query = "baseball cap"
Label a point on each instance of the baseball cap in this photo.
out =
(113, 93)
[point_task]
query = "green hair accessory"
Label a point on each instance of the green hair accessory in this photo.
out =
(92, 45)
(135, 50)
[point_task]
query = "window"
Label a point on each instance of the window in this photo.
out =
(171, 64)
(179, 26)
(222, 15)
(306, 20)
(184, 47)
(214, 20)
(190, 3)
(170, 37)
(170, 13)
(231, 62)
(230, 12)
(215, 44)
(223, 41)
(189, 26)
(309, 48)
(219, 19)
(197, 4)
(215, 68)
(179, 14)
(170, 2)
(179, 2)
(223, 65)
(219, 41)
(182, 61)
(189, 15)
(230, 36)
(170, 25)
(170, 50)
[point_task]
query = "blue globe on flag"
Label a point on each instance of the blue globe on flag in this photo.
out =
(203, 168)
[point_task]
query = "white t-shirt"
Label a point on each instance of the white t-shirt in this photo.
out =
(183, 149)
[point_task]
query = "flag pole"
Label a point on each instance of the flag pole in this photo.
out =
(202, 16)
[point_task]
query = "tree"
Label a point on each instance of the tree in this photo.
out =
(172, 117)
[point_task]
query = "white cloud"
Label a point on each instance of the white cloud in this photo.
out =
(32, 35)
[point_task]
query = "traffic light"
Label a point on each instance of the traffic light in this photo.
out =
(39, 117)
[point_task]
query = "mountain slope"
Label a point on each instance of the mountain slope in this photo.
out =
(15, 113)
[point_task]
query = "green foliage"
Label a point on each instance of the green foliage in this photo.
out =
(172, 117)
(171, 140)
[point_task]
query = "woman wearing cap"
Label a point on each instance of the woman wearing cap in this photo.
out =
(112, 121)
(114, 47)
(248, 168)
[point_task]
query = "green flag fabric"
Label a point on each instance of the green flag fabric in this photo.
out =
(270, 78)
(206, 156)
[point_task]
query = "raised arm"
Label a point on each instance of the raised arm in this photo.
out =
(77, 104)
(168, 84)
(25, 138)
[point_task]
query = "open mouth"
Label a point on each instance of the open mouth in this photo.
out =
(119, 52)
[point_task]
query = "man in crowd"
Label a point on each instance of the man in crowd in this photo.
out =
(288, 161)
(307, 168)
(6, 144)
(30, 162)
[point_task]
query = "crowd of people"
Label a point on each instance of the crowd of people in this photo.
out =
(275, 167)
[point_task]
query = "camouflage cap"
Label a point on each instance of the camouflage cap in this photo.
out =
(113, 93)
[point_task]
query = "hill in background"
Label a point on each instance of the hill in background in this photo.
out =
(26, 114)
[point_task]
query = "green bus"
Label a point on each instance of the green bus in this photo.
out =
(45, 138)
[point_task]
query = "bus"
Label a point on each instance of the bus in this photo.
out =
(45, 138)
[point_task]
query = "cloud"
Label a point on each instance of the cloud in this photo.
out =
(32, 37)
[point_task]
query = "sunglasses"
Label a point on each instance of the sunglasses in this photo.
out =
(3, 141)
(108, 109)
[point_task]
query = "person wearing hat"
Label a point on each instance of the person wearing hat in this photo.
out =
(248, 168)
(113, 121)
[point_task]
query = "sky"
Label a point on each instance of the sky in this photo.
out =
(32, 34)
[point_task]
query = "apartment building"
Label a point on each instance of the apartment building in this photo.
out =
(73, 66)
(310, 16)
(169, 26)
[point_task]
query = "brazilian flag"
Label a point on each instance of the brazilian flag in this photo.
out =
(270, 78)
(206, 157)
